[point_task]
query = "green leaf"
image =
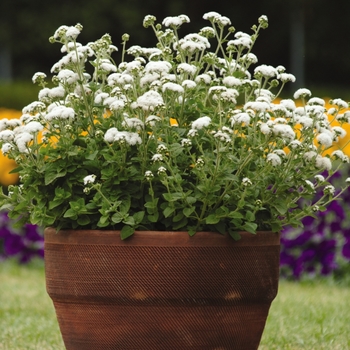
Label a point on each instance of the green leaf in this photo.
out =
(235, 235)
(126, 232)
(250, 216)
(51, 176)
(129, 221)
(138, 217)
(117, 218)
(250, 227)
(168, 211)
(280, 206)
(188, 211)
(212, 219)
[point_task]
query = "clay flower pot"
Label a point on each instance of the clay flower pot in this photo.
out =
(161, 290)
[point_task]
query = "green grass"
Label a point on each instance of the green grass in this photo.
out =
(306, 315)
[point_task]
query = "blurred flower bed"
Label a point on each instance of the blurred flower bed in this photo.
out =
(322, 247)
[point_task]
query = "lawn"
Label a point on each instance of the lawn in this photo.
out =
(306, 315)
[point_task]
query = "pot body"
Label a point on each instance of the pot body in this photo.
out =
(161, 290)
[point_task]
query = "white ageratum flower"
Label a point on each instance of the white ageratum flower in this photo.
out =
(338, 154)
(22, 140)
(6, 148)
(329, 189)
(319, 178)
(242, 118)
(188, 84)
(295, 144)
(38, 77)
(324, 139)
(89, 179)
(274, 159)
(175, 21)
(151, 120)
(7, 135)
(173, 87)
(149, 175)
(157, 158)
(186, 143)
(286, 77)
(232, 81)
(192, 43)
(187, 68)
(302, 93)
(242, 39)
(323, 162)
(265, 129)
(60, 112)
(33, 127)
(339, 131)
(246, 181)
(222, 136)
(133, 123)
(310, 185)
(284, 131)
(339, 103)
(259, 106)
(203, 78)
(150, 100)
(201, 123)
(161, 171)
(265, 71)
(67, 76)
(159, 67)
(110, 135)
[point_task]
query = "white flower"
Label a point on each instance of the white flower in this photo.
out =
(339, 102)
(187, 68)
(284, 131)
(6, 148)
(310, 184)
(150, 100)
(67, 76)
(7, 135)
(246, 181)
(266, 71)
(173, 87)
(192, 133)
(148, 175)
(175, 21)
(60, 112)
(201, 123)
(194, 42)
(302, 93)
(89, 179)
(231, 81)
(222, 136)
(160, 67)
(257, 106)
(189, 84)
(285, 77)
(323, 163)
(205, 78)
(151, 120)
(329, 189)
(38, 76)
(310, 155)
(186, 143)
(157, 158)
(133, 123)
(319, 178)
(110, 135)
(265, 129)
(324, 139)
(274, 159)
(161, 170)
(22, 141)
(33, 127)
(347, 180)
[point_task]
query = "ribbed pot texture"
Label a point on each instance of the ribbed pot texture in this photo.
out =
(161, 290)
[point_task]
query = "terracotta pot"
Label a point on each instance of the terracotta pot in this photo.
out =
(161, 290)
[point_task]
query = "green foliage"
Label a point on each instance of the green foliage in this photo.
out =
(182, 137)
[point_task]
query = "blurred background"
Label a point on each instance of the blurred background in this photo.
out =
(309, 37)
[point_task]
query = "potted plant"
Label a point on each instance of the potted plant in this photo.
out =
(176, 168)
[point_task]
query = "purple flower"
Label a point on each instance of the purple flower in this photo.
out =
(24, 244)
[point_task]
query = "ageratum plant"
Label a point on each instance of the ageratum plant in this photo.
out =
(186, 135)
